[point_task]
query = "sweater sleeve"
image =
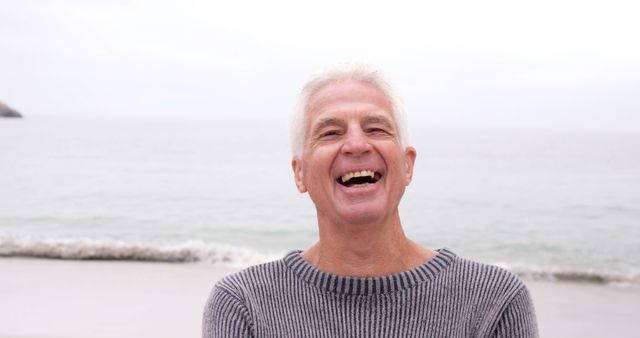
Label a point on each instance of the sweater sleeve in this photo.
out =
(518, 319)
(225, 316)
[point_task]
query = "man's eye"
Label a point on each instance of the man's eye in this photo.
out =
(330, 133)
(377, 131)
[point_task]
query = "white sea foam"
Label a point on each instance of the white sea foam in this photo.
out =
(564, 274)
(92, 249)
(236, 256)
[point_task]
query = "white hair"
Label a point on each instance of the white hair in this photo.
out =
(344, 71)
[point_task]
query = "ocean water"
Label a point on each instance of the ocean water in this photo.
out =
(552, 204)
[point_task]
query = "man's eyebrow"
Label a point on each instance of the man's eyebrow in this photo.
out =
(378, 119)
(326, 122)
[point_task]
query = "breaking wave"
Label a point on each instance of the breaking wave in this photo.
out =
(576, 275)
(235, 256)
(91, 249)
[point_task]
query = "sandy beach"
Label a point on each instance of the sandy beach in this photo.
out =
(55, 298)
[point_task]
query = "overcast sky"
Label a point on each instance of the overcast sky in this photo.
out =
(567, 64)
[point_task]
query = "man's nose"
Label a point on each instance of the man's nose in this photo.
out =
(356, 143)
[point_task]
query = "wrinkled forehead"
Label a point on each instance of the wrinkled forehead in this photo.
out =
(345, 94)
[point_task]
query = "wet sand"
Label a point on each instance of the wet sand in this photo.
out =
(54, 298)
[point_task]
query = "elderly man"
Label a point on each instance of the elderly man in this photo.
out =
(364, 277)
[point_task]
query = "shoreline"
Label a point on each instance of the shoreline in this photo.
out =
(60, 298)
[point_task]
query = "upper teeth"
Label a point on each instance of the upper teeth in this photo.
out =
(353, 174)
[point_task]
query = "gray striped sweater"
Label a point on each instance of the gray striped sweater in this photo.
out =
(446, 297)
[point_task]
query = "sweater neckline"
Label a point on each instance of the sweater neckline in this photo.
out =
(368, 285)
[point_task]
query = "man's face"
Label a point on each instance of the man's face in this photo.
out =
(353, 165)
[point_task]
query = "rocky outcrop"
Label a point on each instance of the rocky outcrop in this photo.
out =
(6, 111)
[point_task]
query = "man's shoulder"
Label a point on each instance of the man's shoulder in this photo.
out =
(233, 299)
(256, 276)
(484, 278)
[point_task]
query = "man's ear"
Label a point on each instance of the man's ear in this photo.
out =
(409, 160)
(296, 165)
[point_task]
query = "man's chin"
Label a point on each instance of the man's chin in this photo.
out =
(362, 214)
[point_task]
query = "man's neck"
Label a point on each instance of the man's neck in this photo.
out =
(362, 251)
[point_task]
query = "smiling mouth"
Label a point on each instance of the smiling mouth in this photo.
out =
(359, 178)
